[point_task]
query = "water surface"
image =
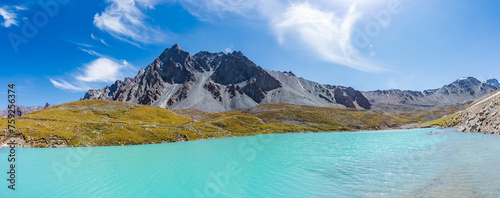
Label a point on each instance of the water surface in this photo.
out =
(401, 163)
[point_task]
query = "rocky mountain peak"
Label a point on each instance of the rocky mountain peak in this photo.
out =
(289, 73)
(238, 53)
(465, 82)
(208, 55)
(175, 49)
(175, 57)
(235, 68)
(217, 82)
(493, 82)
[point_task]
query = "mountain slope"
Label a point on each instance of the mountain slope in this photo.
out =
(216, 82)
(463, 90)
(482, 116)
(98, 123)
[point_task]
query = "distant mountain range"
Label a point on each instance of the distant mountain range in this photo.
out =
(462, 91)
(493, 82)
(215, 82)
(22, 110)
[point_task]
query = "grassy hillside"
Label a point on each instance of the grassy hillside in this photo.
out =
(99, 123)
(440, 122)
(95, 122)
(324, 118)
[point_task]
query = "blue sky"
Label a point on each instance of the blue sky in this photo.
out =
(55, 50)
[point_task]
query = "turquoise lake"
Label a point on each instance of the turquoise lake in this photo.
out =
(399, 163)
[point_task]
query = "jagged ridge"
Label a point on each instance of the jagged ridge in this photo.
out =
(216, 82)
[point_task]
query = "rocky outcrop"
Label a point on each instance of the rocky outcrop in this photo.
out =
(482, 116)
(349, 97)
(216, 82)
(21, 141)
(459, 91)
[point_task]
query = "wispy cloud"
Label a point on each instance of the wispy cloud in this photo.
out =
(79, 43)
(84, 45)
(125, 20)
(62, 84)
(328, 35)
(103, 42)
(91, 52)
(9, 15)
(208, 9)
(98, 39)
(325, 27)
(94, 74)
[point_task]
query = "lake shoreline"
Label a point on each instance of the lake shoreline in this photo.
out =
(21, 143)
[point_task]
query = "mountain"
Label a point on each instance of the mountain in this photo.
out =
(493, 82)
(482, 116)
(217, 82)
(462, 91)
(22, 110)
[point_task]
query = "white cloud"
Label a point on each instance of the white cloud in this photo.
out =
(328, 35)
(325, 27)
(62, 84)
(315, 24)
(94, 74)
(102, 70)
(125, 20)
(9, 15)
